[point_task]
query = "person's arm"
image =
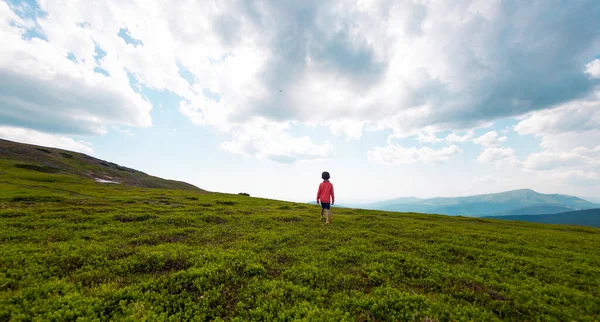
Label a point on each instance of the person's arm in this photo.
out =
(332, 196)
(318, 193)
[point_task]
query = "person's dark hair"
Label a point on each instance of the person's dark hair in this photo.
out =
(325, 175)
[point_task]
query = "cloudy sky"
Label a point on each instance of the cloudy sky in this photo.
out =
(395, 98)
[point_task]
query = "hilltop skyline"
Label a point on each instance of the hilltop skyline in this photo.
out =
(394, 99)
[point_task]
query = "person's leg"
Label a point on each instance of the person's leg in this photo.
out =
(322, 213)
(328, 214)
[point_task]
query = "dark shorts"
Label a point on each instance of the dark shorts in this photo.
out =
(325, 205)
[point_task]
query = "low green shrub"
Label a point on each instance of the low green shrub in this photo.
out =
(110, 252)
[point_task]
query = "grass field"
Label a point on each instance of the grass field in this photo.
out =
(75, 249)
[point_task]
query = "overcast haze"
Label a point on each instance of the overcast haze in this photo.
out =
(394, 98)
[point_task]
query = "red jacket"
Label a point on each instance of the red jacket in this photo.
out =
(325, 192)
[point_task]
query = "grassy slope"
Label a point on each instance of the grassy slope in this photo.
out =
(82, 165)
(74, 248)
(588, 217)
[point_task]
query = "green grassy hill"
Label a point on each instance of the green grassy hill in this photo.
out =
(76, 249)
(49, 160)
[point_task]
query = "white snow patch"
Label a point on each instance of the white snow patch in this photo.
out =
(105, 181)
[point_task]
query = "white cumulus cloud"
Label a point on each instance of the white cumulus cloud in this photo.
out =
(569, 138)
(593, 68)
(453, 137)
(396, 154)
(270, 141)
(490, 139)
(579, 158)
(576, 116)
(497, 154)
(44, 139)
(43, 89)
(411, 67)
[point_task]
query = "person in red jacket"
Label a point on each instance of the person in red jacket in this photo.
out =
(325, 196)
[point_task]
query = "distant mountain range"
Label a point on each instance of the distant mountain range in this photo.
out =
(592, 199)
(588, 217)
(515, 202)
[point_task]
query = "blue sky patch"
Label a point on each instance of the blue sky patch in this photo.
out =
(71, 57)
(26, 9)
(99, 53)
(101, 71)
(134, 83)
(34, 33)
(211, 95)
(185, 73)
(126, 36)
